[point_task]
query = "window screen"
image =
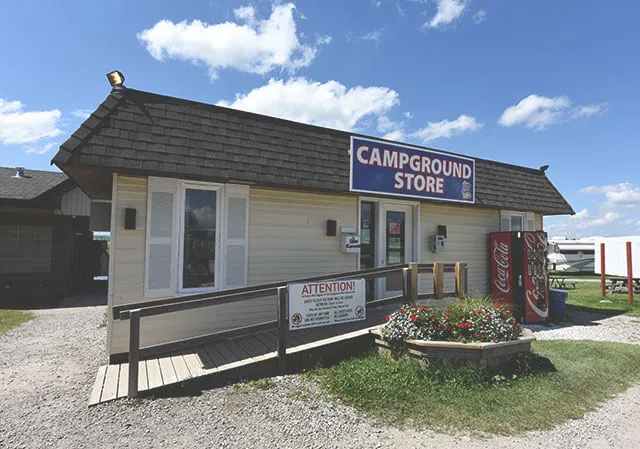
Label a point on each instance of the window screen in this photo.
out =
(25, 249)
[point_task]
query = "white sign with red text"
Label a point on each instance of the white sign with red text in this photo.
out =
(323, 303)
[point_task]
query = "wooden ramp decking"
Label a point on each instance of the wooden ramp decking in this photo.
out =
(227, 357)
(224, 356)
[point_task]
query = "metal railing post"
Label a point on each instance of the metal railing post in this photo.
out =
(461, 279)
(438, 280)
(406, 285)
(282, 330)
(134, 352)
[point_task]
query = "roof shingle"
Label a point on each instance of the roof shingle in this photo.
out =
(140, 131)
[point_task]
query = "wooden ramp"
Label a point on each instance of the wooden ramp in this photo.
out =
(221, 357)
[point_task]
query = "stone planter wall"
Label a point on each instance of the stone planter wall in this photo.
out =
(483, 354)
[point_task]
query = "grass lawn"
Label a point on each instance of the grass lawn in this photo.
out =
(587, 296)
(402, 393)
(12, 318)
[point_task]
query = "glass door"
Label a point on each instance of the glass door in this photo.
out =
(368, 247)
(397, 243)
(199, 239)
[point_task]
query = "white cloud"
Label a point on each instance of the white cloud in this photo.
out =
(408, 115)
(448, 11)
(623, 194)
(480, 16)
(42, 150)
(324, 39)
(253, 45)
(535, 112)
(538, 112)
(18, 126)
(589, 110)
(374, 36)
(328, 104)
(447, 128)
(82, 113)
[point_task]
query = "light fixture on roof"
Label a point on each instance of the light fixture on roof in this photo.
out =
(543, 168)
(19, 172)
(116, 78)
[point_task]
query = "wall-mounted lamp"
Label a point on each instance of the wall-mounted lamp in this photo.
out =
(130, 218)
(116, 78)
(332, 228)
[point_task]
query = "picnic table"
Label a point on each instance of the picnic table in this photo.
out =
(619, 284)
(560, 282)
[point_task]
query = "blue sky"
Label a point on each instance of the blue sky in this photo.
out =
(526, 82)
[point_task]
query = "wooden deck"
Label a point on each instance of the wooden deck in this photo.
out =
(222, 357)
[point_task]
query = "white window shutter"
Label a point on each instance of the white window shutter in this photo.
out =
(162, 230)
(236, 244)
(505, 222)
(531, 222)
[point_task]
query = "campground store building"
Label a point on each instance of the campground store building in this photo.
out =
(205, 198)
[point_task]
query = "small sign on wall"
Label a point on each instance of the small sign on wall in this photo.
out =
(323, 303)
(350, 240)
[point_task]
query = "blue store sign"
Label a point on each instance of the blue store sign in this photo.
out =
(400, 170)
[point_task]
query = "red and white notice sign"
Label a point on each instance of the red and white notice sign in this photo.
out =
(324, 303)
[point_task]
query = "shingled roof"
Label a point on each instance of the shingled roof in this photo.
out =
(35, 185)
(144, 133)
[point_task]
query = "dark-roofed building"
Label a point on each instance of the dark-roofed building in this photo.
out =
(207, 198)
(45, 242)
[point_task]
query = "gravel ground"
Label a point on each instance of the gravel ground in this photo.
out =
(47, 367)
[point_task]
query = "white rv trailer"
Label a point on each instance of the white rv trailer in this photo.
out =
(615, 249)
(571, 256)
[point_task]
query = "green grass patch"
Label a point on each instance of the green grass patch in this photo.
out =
(466, 399)
(587, 295)
(13, 318)
(104, 321)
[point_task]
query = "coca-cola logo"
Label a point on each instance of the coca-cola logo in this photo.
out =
(503, 270)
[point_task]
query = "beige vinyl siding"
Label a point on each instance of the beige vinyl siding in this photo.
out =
(287, 234)
(287, 240)
(539, 222)
(467, 241)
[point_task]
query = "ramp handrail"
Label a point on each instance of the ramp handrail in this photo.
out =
(135, 311)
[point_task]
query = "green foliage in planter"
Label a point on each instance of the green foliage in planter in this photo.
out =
(468, 320)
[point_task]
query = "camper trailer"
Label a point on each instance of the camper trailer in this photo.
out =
(571, 256)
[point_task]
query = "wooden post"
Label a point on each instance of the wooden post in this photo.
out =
(603, 276)
(461, 279)
(629, 273)
(438, 280)
(413, 266)
(282, 330)
(134, 352)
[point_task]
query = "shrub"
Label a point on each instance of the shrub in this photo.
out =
(469, 320)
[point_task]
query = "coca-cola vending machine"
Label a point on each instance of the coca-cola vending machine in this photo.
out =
(519, 273)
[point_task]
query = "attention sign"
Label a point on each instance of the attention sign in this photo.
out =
(400, 170)
(323, 303)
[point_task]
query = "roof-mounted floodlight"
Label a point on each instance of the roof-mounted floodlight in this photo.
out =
(116, 78)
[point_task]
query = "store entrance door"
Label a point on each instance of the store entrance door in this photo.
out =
(397, 244)
(386, 238)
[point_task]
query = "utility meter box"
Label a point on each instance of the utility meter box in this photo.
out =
(436, 243)
(350, 240)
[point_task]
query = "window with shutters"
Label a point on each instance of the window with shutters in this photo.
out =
(197, 237)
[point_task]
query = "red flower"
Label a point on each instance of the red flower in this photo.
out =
(421, 308)
(497, 305)
(387, 318)
(404, 312)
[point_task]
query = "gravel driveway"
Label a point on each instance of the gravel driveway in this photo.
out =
(47, 367)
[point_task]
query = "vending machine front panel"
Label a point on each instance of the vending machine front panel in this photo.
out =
(536, 281)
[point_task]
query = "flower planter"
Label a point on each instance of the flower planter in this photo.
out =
(490, 355)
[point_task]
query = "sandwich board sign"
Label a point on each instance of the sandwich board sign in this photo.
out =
(322, 303)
